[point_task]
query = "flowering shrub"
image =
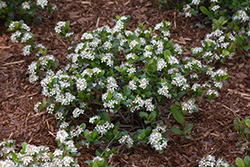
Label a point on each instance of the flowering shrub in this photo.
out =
(243, 128)
(31, 155)
(23, 9)
(119, 73)
(230, 19)
(230, 16)
(210, 161)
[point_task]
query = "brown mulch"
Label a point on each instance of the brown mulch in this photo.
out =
(214, 133)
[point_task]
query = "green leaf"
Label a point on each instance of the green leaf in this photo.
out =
(143, 114)
(246, 161)
(239, 162)
(188, 137)
(177, 113)
(148, 94)
(143, 134)
(247, 122)
(105, 117)
(178, 131)
(24, 145)
(83, 126)
(225, 52)
(188, 128)
(167, 53)
(204, 10)
(246, 48)
(109, 96)
(118, 68)
(14, 157)
(126, 90)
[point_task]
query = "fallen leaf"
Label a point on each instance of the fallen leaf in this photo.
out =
(241, 75)
(5, 55)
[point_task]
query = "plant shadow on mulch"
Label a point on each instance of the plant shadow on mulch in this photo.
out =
(214, 133)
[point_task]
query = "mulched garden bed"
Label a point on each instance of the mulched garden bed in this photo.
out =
(214, 133)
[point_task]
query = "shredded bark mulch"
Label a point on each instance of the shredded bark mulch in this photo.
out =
(214, 133)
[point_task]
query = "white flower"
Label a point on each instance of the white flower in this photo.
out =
(161, 64)
(92, 119)
(158, 26)
(216, 7)
(42, 3)
(133, 44)
(97, 158)
(37, 105)
(67, 160)
(26, 37)
(164, 91)
(25, 5)
(61, 135)
(195, 2)
(126, 139)
(157, 141)
(58, 152)
(197, 50)
(188, 106)
(77, 112)
(81, 84)
(143, 83)
(26, 50)
(26, 160)
(130, 56)
(132, 85)
(2, 4)
(241, 15)
(107, 45)
(59, 25)
(147, 54)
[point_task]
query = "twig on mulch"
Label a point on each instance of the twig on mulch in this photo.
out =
(235, 114)
(243, 95)
(16, 62)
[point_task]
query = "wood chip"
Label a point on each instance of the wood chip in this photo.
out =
(16, 62)
(86, 2)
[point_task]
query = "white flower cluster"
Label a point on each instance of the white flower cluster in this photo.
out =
(93, 119)
(42, 3)
(59, 26)
(102, 129)
(62, 135)
(188, 106)
(81, 84)
(210, 161)
(143, 83)
(161, 63)
(187, 10)
(37, 156)
(25, 5)
(77, 112)
(196, 2)
(126, 139)
(26, 50)
(216, 7)
(18, 36)
(241, 15)
(157, 140)
(180, 81)
(111, 84)
(138, 103)
(132, 85)
(108, 59)
(164, 90)
(2, 4)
